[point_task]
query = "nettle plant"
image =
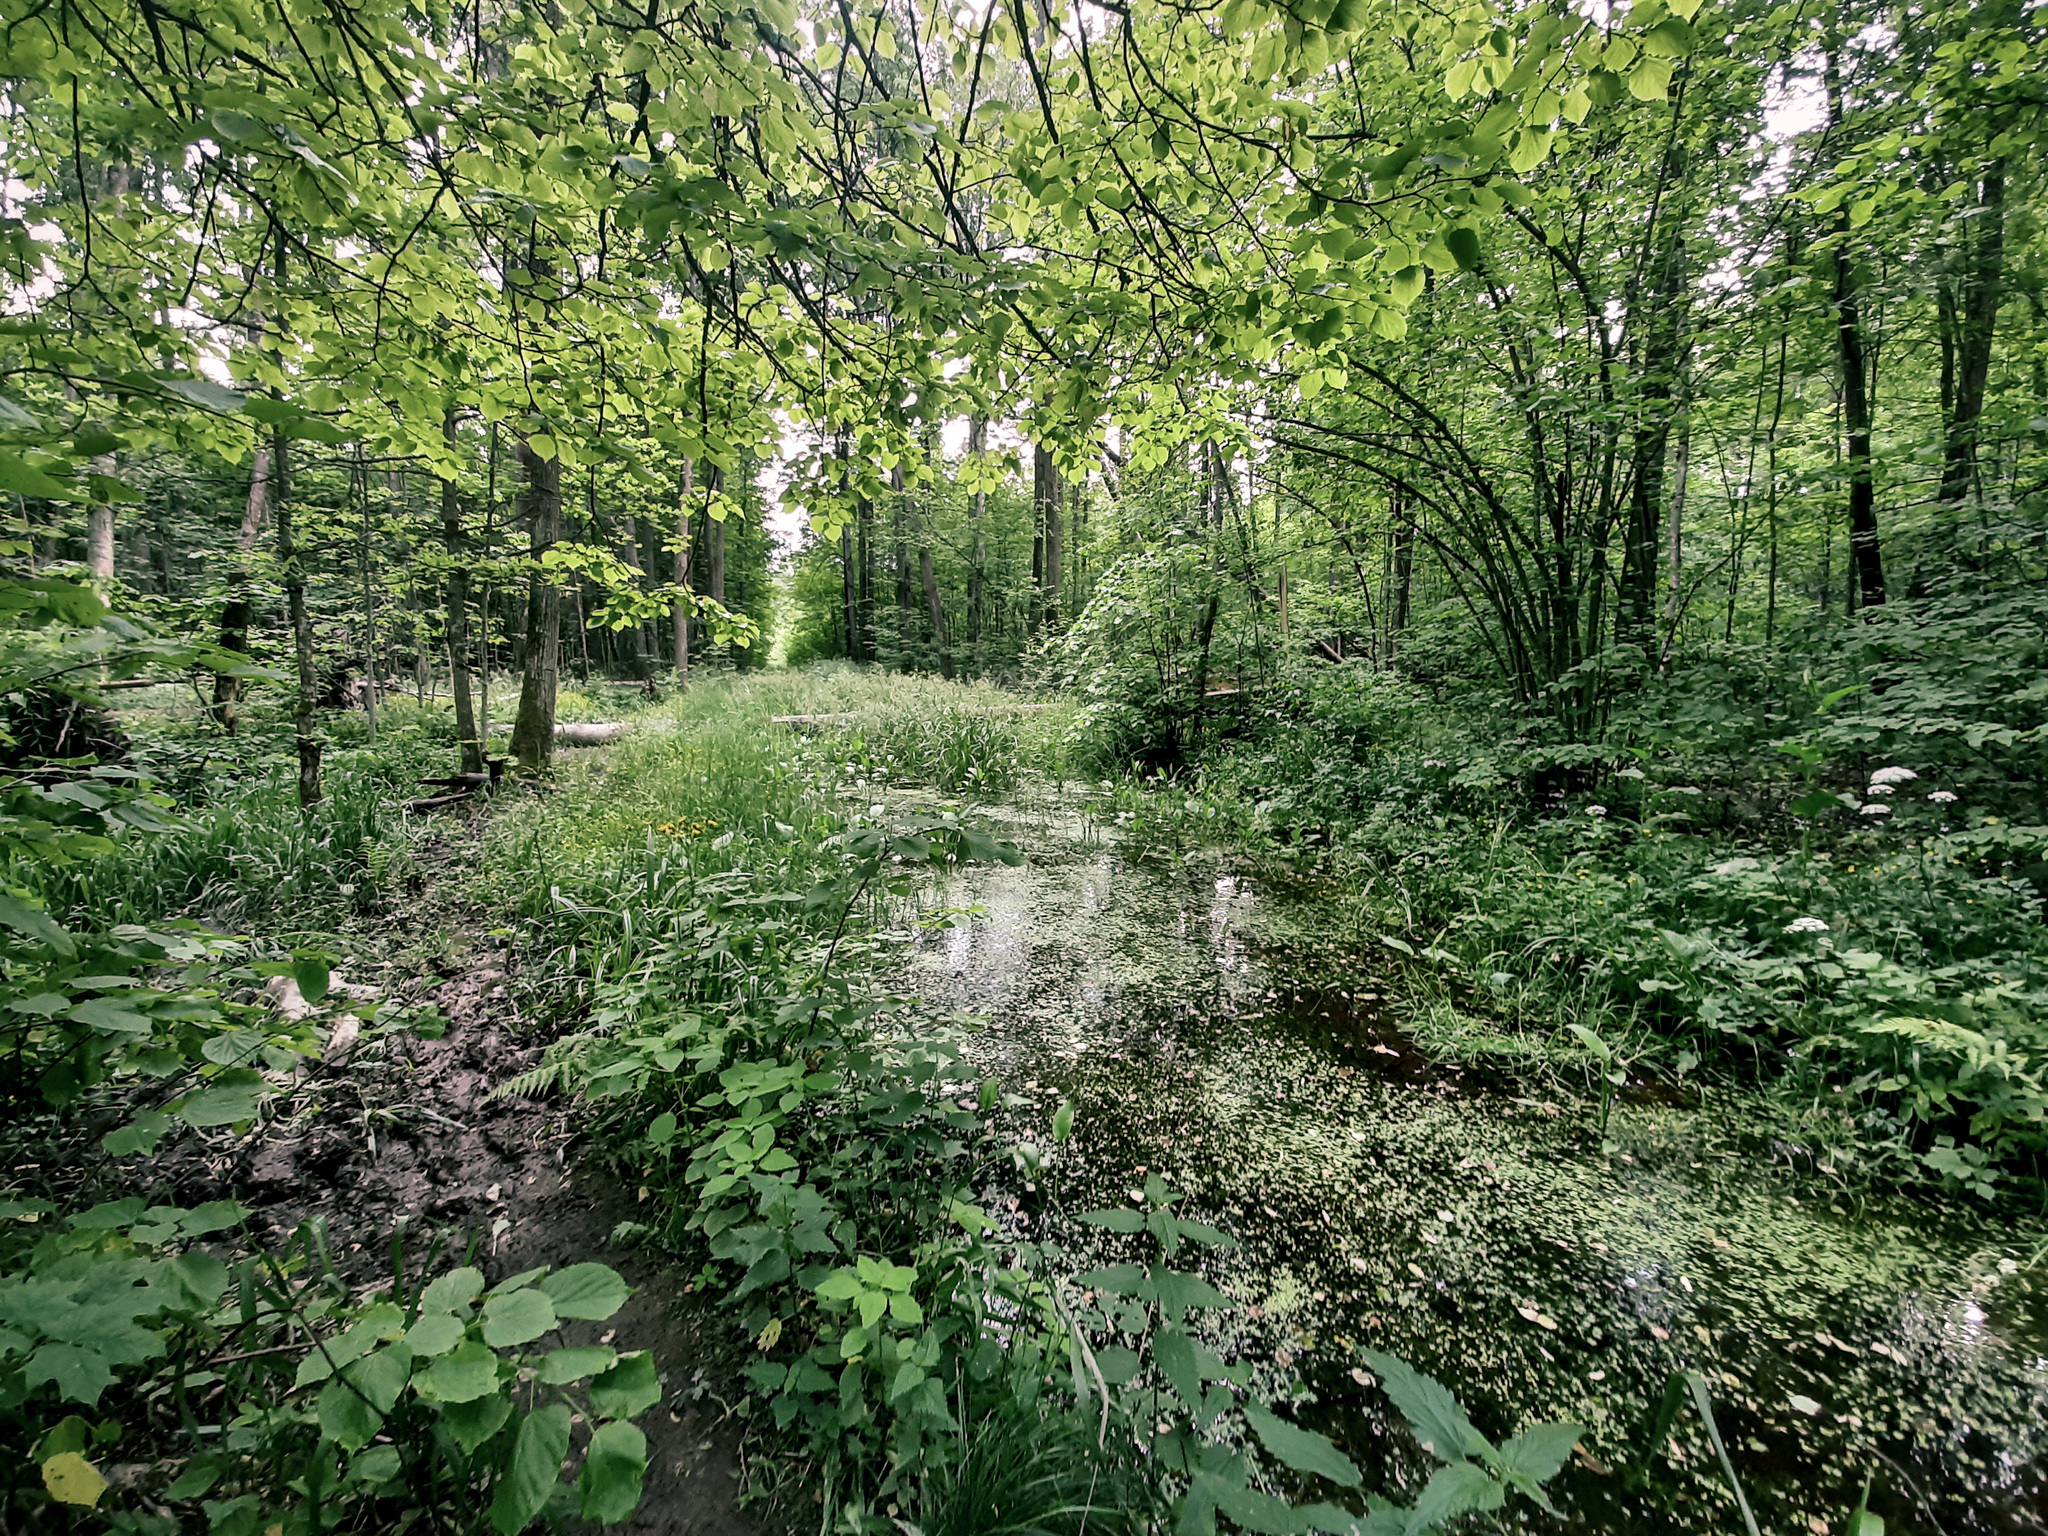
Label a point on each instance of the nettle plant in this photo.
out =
(169, 1387)
(1136, 1360)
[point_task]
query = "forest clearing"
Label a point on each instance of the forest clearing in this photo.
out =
(1061, 770)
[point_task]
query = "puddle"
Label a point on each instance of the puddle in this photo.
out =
(1384, 1203)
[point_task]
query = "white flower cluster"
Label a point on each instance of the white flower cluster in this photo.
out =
(1596, 810)
(1892, 776)
(1806, 925)
(1940, 796)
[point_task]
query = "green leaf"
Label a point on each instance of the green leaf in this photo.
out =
(454, 1291)
(1650, 80)
(1175, 1353)
(79, 1374)
(474, 1421)
(207, 394)
(1180, 1293)
(1117, 1279)
(1671, 38)
(35, 923)
(25, 480)
(469, 1372)
(1254, 1510)
(353, 1404)
(435, 1334)
(537, 1456)
(563, 1366)
(311, 973)
(518, 1318)
(1540, 1450)
(1458, 1489)
(1301, 1449)
(238, 127)
(1117, 1221)
(1439, 1423)
(1463, 244)
(614, 1469)
(592, 1292)
(228, 1100)
(629, 1388)
(140, 1135)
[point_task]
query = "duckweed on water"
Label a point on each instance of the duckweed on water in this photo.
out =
(1482, 1229)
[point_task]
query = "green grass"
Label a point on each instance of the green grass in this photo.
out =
(244, 856)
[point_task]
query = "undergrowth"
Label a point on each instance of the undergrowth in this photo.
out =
(1753, 874)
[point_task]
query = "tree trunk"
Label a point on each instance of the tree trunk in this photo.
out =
(235, 613)
(1404, 577)
(533, 730)
(1865, 553)
(906, 616)
(293, 567)
(1662, 362)
(714, 539)
(371, 681)
(1045, 492)
(849, 600)
(934, 607)
(977, 440)
(99, 538)
(681, 610)
(1967, 339)
(864, 523)
(1674, 598)
(452, 541)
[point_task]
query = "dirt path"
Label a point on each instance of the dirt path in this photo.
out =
(405, 1132)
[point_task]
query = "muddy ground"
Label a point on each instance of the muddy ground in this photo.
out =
(396, 1135)
(406, 1131)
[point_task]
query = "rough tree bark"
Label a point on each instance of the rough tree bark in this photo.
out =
(1865, 552)
(681, 613)
(533, 729)
(292, 566)
(452, 540)
(235, 613)
(1045, 492)
(977, 442)
(1970, 321)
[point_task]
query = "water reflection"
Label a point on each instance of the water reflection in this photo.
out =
(1492, 1243)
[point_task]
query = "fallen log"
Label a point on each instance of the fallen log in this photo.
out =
(580, 733)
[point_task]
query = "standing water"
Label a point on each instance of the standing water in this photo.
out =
(1485, 1234)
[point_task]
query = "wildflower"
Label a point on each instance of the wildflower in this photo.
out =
(1876, 809)
(1893, 776)
(1596, 810)
(1806, 925)
(1941, 797)
(1884, 789)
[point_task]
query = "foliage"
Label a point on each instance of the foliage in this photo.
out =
(821, 1162)
(260, 1394)
(1753, 871)
(954, 749)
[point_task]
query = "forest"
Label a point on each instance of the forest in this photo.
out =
(1020, 768)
